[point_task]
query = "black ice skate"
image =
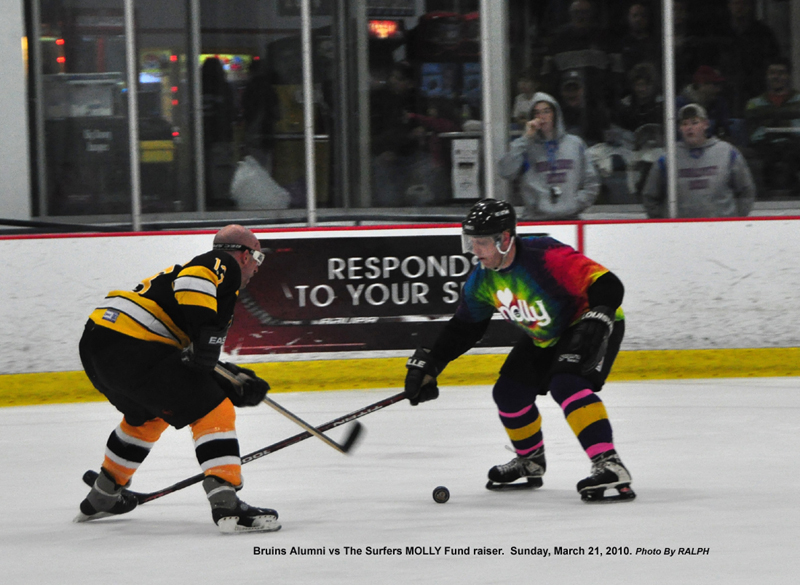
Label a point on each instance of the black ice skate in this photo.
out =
(107, 498)
(531, 468)
(607, 472)
(232, 515)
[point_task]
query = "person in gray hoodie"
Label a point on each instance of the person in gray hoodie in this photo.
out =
(558, 179)
(713, 177)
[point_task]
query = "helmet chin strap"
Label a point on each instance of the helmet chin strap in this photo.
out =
(502, 253)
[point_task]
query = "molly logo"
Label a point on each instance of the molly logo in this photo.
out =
(520, 311)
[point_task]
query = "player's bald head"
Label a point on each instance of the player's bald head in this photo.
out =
(237, 234)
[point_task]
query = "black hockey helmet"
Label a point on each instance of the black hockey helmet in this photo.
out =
(490, 217)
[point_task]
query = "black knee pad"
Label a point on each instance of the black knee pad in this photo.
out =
(510, 395)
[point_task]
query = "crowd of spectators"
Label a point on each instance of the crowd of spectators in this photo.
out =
(604, 66)
(601, 63)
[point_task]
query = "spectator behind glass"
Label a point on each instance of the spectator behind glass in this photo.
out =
(640, 43)
(583, 45)
(558, 182)
(688, 43)
(706, 90)
(261, 112)
(440, 117)
(778, 108)
(642, 113)
(523, 103)
(399, 160)
(582, 117)
(744, 46)
(218, 118)
(713, 177)
(644, 104)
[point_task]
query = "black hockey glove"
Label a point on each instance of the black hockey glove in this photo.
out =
(250, 390)
(421, 376)
(203, 352)
(590, 338)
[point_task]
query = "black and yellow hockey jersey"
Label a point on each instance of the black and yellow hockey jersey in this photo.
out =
(172, 306)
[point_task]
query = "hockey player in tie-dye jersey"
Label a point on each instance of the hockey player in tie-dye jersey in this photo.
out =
(567, 308)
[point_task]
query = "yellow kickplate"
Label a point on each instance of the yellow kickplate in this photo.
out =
(468, 370)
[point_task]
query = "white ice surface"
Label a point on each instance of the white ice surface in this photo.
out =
(714, 463)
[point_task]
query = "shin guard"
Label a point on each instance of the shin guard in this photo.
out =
(518, 413)
(584, 411)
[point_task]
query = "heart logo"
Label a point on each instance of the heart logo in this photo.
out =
(505, 297)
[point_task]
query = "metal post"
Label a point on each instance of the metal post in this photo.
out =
(363, 104)
(195, 82)
(133, 117)
(308, 111)
(494, 91)
(669, 107)
(342, 122)
(794, 50)
(35, 49)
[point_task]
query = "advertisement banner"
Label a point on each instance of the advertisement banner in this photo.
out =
(354, 291)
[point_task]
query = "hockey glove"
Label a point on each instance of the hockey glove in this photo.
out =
(590, 338)
(421, 376)
(249, 392)
(203, 352)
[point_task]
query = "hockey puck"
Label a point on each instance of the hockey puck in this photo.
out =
(441, 494)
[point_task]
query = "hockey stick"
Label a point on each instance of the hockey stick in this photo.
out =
(90, 476)
(342, 448)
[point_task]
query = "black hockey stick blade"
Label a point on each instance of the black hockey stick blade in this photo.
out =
(142, 498)
(356, 432)
(89, 477)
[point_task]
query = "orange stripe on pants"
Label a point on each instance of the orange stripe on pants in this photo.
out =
(149, 432)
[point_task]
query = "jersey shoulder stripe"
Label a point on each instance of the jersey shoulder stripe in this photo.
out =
(200, 282)
(196, 285)
(196, 299)
(200, 272)
(193, 283)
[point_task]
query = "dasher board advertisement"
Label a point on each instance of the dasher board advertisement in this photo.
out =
(355, 291)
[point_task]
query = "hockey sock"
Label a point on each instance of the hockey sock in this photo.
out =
(128, 446)
(216, 445)
(519, 415)
(584, 411)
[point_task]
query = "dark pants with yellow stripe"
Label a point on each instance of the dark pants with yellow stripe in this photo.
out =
(147, 382)
(529, 372)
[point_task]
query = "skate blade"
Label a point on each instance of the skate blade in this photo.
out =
(596, 496)
(81, 517)
(231, 525)
(531, 483)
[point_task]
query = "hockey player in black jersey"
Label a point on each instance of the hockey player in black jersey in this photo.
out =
(568, 309)
(152, 353)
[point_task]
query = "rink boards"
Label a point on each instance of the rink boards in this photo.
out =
(703, 298)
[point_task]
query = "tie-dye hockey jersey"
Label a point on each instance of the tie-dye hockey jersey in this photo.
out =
(543, 292)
